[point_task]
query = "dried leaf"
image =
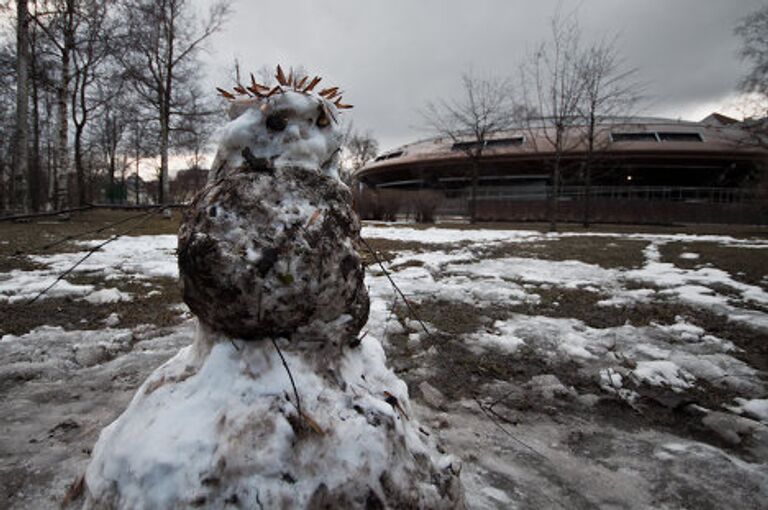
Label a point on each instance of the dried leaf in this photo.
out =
(281, 76)
(312, 424)
(312, 84)
(257, 87)
(301, 83)
(314, 217)
(74, 491)
(225, 94)
(329, 91)
(256, 91)
(274, 91)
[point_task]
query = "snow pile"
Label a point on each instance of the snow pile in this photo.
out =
(663, 373)
(107, 296)
(218, 424)
(754, 408)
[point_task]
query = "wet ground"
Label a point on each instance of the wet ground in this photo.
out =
(617, 368)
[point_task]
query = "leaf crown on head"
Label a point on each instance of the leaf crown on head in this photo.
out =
(298, 83)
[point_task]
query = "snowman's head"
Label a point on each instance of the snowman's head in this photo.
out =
(288, 125)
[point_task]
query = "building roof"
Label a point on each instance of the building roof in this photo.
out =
(615, 135)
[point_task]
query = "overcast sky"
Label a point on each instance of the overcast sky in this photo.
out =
(393, 56)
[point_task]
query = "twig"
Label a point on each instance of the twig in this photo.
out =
(44, 214)
(386, 273)
(96, 231)
(507, 432)
(130, 207)
(290, 376)
(83, 259)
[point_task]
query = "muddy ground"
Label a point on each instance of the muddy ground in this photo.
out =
(526, 440)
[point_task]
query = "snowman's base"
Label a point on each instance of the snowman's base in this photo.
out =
(217, 426)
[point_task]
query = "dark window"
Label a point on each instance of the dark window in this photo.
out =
(391, 155)
(680, 137)
(504, 142)
(462, 146)
(634, 137)
(498, 142)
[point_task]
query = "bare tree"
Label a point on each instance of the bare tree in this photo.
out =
(484, 108)
(92, 86)
(21, 156)
(60, 28)
(609, 90)
(552, 85)
(358, 149)
(165, 41)
(141, 142)
(753, 31)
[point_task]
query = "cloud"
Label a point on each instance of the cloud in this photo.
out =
(392, 57)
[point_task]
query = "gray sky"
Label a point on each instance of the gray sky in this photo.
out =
(393, 56)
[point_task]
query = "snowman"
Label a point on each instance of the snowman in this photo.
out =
(279, 402)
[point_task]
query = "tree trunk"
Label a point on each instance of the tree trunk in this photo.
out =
(36, 180)
(79, 167)
(588, 171)
(62, 152)
(554, 205)
(473, 191)
(164, 186)
(65, 177)
(138, 156)
(21, 153)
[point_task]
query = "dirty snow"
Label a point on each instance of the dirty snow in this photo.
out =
(568, 435)
(126, 258)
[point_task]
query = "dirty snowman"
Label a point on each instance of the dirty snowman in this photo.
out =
(280, 401)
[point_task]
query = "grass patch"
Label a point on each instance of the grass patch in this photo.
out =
(32, 237)
(747, 265)
(698, 229)
(72, 314)
(606, 252)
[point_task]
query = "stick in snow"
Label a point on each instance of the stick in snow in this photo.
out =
(386, 273)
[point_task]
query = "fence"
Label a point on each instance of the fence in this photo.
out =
(611, 204)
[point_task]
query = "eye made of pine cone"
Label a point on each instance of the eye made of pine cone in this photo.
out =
(276, 122)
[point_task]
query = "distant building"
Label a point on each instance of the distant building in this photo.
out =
(139, 191)
(187, 183)
(709, 169)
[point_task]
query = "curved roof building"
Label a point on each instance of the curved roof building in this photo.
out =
(709, 159)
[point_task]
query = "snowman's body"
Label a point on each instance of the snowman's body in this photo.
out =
(267, 254)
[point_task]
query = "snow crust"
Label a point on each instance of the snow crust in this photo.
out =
(107, 296)
(756, 407)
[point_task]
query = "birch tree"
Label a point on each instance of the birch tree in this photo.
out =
(166, 38)
(57, 19)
